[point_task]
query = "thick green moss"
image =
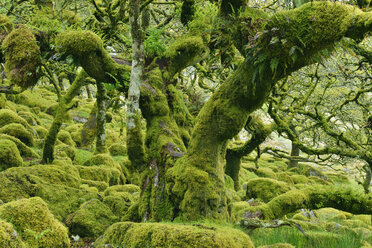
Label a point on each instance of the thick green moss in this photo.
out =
(118, 149)
(8, 116)
(315, 197)
(91, 219)
(278, 245)
(265, 188)
(98, 185)
(102, 173)
(119, 202)
(9, 237)
(18, 131)
(58, 185)
(105, 159)
(29, 117)
(65, 137)
(24, 150)
(36, 99)
(65, 151)
(22, 57)
(9, 155)
(158, 235)
(35, 223)
(129, 188)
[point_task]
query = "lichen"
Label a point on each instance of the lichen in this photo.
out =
(22, 57)
(158, 235)
(9, 155)
(35, 223)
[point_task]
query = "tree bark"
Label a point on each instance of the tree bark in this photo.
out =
(101, 119)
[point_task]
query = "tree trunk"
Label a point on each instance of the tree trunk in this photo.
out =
(135, 140)
(64, 101)
(295, 151)
(196, 182)
(101, 119)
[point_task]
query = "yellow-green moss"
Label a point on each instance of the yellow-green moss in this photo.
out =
(35, 99)
(118, 149)
(9, 238)
(35, 223)
(41, 131)
(8, 116)
(65, 137)
(22, 57)
(91, 219)
(9, 155)
(99, 185)
(265, 188)
(65, 151)
(129, 188)
(24, 150)
(278, 245)
(119, 202)
(29, 117)
(158, 235)
(102, 173)
(18, 131)
(105, 159)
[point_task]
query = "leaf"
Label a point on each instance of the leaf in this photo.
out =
(274, 62)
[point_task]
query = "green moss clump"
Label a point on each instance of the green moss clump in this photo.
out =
(91, 219)
(265, 188)
(22, 57)
(18, 131)
(65, 137)
(101, 173)
(8, 116)
(41, 131)
(65, 151)
(9, 237)
(105, 159)
(299, 179)
(24, 150)
(99, 185)
(118, 149)
(119, 202)
(35, 99)
(9, 155)
(159, 235)
(35, 223)
(29, 117)
(265, 172)
(130, 188)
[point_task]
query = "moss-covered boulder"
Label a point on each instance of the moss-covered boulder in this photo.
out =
(91, 219)
(24, 150)
(8, 116)
(9, 155)
(65, 137)
(121, 197)
(278, 245)
(157, 235)
(32, 219)
(18, 131)
(58, 185)
(265, 188)
(9, 237)
(102, 173)
(65, 151)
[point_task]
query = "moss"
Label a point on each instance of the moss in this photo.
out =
(265, 172)
(119, 202)
(105, 159)
(65, 151)
(91, 219)
(184, 52)
(8, 116)
(118, 149)
(101, 173)
(41, 131)
(35, 223)
(266, 188)
(299, 179)
(22, 57)
(129, 188)
(172, 235)
(331, 214)
(65, 137)
(99, 185)
(58, 185)
(364, 218)
(82, 156)
(18, 131)
(9, 237)
(9, 155)
(29, 117)
(35, 99)
(24, 150)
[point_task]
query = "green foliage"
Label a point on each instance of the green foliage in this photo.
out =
(154, 43)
